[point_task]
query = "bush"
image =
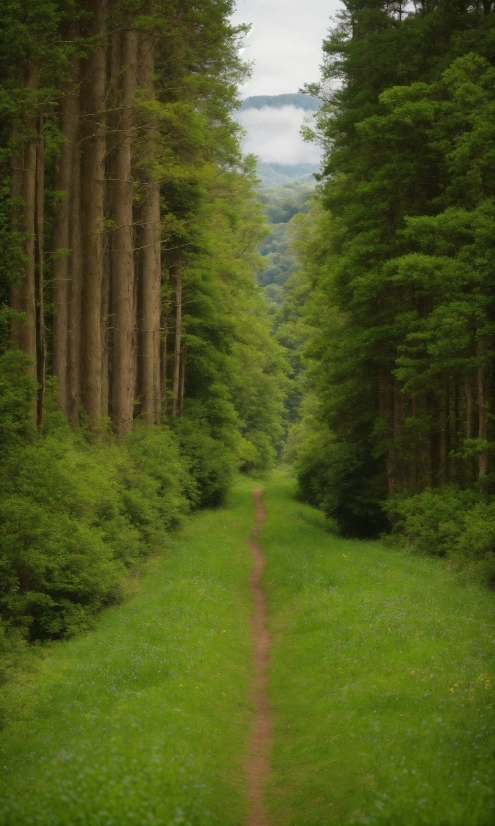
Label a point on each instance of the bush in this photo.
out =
(346, 484)
(211, 464)
(450, 523)
(75, 516)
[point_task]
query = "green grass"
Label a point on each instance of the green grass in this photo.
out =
(381, 680)
(145, 720)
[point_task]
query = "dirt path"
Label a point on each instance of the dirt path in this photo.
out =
(259, 751)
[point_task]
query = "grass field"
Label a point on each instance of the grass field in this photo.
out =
(145, 720)
(382, 680)
(381, 685)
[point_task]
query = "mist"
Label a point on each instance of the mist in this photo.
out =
(273, 135)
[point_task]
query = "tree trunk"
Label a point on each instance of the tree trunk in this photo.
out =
(61, 239)
(177, 347)
(23, 294)
(94, 219)
(40, 260)
(163, 362)
(469, 410)
(182, 380)
(482, 423)
(150, 255)
(76, 269)
(123, 304)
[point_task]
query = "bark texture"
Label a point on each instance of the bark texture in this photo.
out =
(123, 305)
(93, 217)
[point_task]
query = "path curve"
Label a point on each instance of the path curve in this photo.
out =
(259, 750)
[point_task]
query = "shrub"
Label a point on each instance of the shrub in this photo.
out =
(451, 523)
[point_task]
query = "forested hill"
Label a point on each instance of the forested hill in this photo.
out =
(396, 297)
(300, 101)
(137, 371)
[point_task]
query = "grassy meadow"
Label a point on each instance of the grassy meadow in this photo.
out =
(381, 681)
(145, 720)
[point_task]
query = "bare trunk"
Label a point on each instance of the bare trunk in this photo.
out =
(93, 220)
(76, 272)
(163, 364)
(150, 256)
(106, 331)
(469, 410)
(182, 380)
(23, 295)
(40, 245)
(177, 347)
(123, 303)
(61, 239)
(482, 423)
(61, 245)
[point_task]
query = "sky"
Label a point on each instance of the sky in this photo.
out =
(285, 42)
(285, 47)
(273, 135)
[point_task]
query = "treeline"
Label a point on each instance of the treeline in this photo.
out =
(129, 229)
(398, 278)
(307, 102)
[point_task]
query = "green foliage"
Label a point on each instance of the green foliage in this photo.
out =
(282, 204)
(76, 515)
(211, 464)
(17, 391)
(382, 677)
(146, 718)
(450, 523)
(396, 288)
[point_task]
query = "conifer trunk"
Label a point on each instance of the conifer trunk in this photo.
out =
(123, 304)
(23, 294)
(76, 268)
(469, 410)
(177, 347)
(93, 218)
(64, 182)
(182, 380)
(482, 423)
(163, 362)
(150, 257)
(40, 261)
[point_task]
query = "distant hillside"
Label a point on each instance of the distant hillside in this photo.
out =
(275, 174)
(277, 101)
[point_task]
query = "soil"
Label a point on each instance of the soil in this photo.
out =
(259, 751)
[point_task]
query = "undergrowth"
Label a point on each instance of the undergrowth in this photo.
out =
(449, 522)
(78, 513)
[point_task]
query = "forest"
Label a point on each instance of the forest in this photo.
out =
(247, 440)
(394, 299)
(137, 371)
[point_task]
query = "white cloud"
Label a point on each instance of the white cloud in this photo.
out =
(273, 135)
(286, 42)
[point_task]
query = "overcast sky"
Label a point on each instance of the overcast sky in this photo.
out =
(273, 135)
(285, 46)
(285, 43)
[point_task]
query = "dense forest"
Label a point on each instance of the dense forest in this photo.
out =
(137, 371)
(395, 295)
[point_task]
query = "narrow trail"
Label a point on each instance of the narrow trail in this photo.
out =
(259, 751)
